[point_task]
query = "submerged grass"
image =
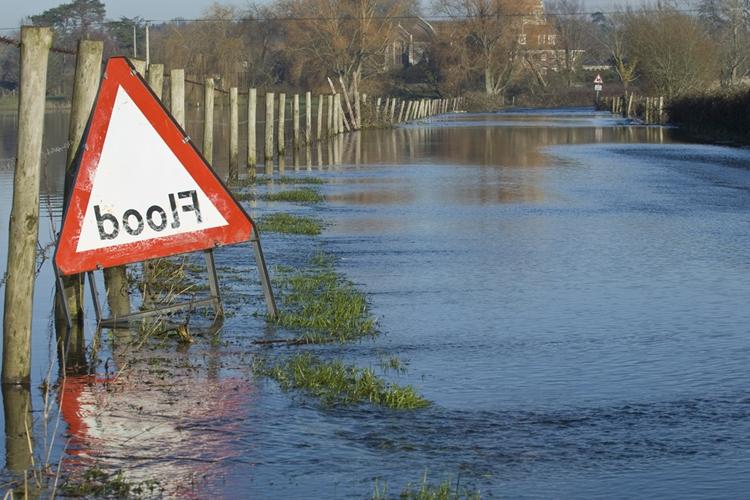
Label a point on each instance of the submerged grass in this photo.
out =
(426, 491)
(290, 224)
(325, 304)
(303, 195)
(262, 180)
(95, 482)
(335, 383)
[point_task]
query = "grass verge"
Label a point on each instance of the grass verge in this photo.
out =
(304, 195)
(335, 383)
(290, 224)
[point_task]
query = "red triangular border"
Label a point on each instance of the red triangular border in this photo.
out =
(120, 73)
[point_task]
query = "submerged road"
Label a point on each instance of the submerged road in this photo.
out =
(568, 289)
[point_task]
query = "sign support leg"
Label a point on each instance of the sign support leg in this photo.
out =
(213, 282)
(60, 290)
(95, 297)
(265, 279)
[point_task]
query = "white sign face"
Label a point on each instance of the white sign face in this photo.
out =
(140, 189)
(598, 88)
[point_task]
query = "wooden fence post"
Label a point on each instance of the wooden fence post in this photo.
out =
(268, 150)
(319, 131)
(338, 112)
(252, 149)
(24, 215)
(234, 135)
(630, 105)
(358, 109)
(329, 128)
(280, 137)
(208, 120)
(352, 118)
(85, 86)
(140, 66)
(177, 95)
(155, 78)
(308, 117)
(295, 124)
(660, 120)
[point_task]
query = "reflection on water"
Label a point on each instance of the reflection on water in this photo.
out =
(567, 288)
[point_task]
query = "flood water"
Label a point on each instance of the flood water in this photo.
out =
(568, 289)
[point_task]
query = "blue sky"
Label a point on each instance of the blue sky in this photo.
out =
(14, 11)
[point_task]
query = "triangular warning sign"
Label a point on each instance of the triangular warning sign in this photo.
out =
(142, 189)
(598, 80)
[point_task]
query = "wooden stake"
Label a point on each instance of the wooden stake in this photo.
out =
(140, 66)
(177, 95)
(268, 150)
(252, 149)
(308, 117)
(329, 121)
(24, 215)
(280, 137)
(208, 120)
(234, 135)
(319, 130)
(295, 123)
(352, 118)
(156, 78)
(85, 86)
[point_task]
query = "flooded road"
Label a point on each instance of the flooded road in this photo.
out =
(569, 290)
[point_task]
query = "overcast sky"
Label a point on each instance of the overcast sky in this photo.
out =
(13, 11)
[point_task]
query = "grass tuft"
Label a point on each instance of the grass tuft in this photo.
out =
(290, 224)
(95, 482)
(303, 195)
(426, 491)
(335, 383)
(323, 302)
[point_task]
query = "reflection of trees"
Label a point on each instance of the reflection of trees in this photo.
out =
(509, 149)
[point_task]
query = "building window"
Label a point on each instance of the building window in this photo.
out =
(552, 39)
(522, 39)
(540, 39)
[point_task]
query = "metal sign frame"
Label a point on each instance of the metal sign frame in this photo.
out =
(214, 298)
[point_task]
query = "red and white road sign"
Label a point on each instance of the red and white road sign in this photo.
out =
(598, 80)
(142, 189)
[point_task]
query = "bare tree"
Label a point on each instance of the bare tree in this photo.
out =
(571, 26)
(728, 22)
(346, 39)
(485, 34)
(612, 35)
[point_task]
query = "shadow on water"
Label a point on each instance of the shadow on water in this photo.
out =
(566, 287)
